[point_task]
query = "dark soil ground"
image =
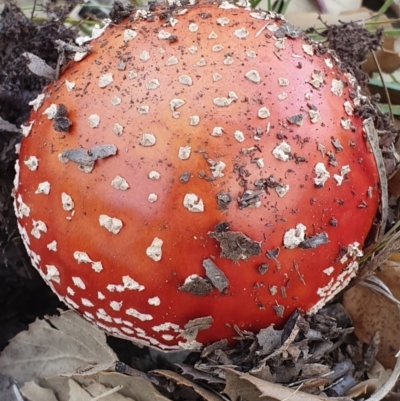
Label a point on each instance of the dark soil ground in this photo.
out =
(25, 297)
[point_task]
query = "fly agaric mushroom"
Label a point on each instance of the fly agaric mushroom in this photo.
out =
(194, 173)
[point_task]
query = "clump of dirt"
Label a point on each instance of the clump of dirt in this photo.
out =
(352, 43)
(23, 294)
(18, 34)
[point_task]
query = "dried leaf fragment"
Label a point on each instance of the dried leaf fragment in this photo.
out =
(236, 245)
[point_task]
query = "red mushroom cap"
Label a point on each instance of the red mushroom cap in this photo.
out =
(194, 173)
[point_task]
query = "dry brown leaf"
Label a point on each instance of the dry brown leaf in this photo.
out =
(77, 393)
(372, 312)
(250, 388)
(182, 381)
(134, 388)
(45, 351)
(33, 392)
(389, 273)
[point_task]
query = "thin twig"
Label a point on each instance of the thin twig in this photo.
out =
(33, 9)
(384, 85)
(109, 392)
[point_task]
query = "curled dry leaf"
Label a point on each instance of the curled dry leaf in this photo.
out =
(372, 311)
(131, 388)
(179, 380)
(243, 386)
(44, 350)
(377, 376)
(34, 392)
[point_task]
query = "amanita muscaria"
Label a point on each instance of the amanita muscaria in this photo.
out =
(199, 168)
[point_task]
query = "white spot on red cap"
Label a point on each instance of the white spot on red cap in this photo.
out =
(167, 327)
(172, 61)
(118, 129)
(105, 80)
(201, 63)
(282, 151)
(26, 129)
(116, 305)
(128, 283)
(216, 77)
(217, 48)
(185, 80)
(153, 84)
(83, 257)
(111, 224)
(53, 274)
(154, 251)
(86, 302)
(222, 21)
(71, 303)
(132, 74)
(241, 33)
(282, 96)
(217, 168)
(69, 85)
(115, 100)
(39, 227)
(120, 183)
(322, 174)
(21, 209)
(154, 175)
(282, 189)
(293, 237)
(168, 337)
(263, 112)
(78, 282)
(32, 163)
(37, 102)
(184, 152)
(152, 197)
(148, 139)
(193, 203)
(217, 131)
(52, 246)
(228, 60)
(162, 35)
(143, 109)
(144, 56)
(67, 202)
(194, 120)
(283, 82)
(103, 315)
(193, 27)
(43, 188)
(308, 49)
(337, 87)
(253, 76)
(154, 301)
(329, 270)
(94, 120)
(136, 314)
(129, 34)
(314, 116)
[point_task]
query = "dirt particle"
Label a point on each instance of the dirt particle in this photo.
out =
(196, 285)
(235, 245)
(215, 275)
